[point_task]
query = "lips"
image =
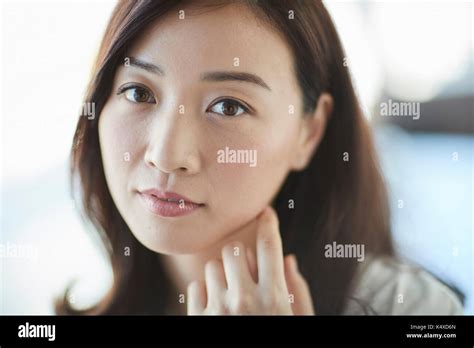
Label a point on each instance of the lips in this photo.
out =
(168, 196)
(168, 204)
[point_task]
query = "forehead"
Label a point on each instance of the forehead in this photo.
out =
(216, 39)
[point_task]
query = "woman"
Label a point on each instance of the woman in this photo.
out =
(228, 135)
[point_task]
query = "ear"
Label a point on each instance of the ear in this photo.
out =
(312, 131)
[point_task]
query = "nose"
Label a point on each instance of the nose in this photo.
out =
(172, 145)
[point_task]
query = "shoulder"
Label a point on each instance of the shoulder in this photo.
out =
(386, 286)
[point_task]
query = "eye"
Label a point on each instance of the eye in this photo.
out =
(137, 93)
(229, 107)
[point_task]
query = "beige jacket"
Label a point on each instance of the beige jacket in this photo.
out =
(384, 286)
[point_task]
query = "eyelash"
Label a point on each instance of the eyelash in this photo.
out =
(128, 87)
(239, 104)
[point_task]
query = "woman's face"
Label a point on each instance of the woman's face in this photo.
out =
(176, 129)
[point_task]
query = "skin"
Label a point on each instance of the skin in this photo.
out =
(227, 255)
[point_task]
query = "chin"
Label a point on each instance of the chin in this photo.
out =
(174, 240)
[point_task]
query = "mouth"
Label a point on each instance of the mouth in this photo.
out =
(168, 204)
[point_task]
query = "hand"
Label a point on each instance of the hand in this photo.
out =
(241, 283)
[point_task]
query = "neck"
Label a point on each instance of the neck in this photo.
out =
(183, 269)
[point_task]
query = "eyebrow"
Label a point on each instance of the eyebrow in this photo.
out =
(146, 66)
(216, 76)
(234, 76)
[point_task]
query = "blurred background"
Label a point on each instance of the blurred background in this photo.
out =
(398, 52)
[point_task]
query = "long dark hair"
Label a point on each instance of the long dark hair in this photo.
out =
(340, 197)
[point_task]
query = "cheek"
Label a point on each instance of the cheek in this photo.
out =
(118, 145)
(242, 190)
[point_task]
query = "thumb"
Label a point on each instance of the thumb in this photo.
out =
(297, 288)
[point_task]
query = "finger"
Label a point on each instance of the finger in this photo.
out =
(236, 269)
(196, 298)
(252, 262)
(215, 282)
(298, 289)
(269, 250)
